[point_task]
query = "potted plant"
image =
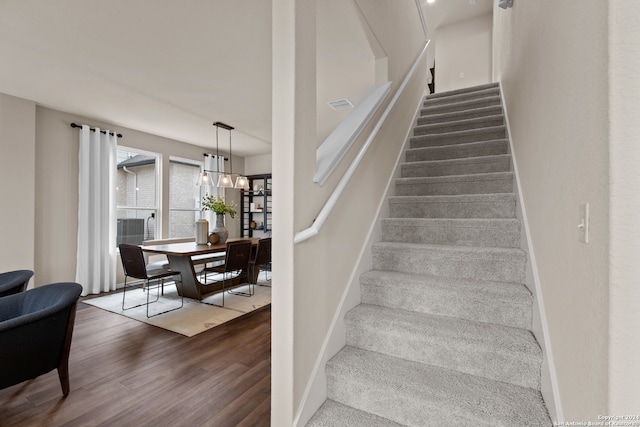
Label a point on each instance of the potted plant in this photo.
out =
(217, 205)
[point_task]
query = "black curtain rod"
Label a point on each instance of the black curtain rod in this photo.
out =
(73, 125)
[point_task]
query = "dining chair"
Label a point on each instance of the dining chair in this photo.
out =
(234, 269)
(13, 282)
(262, 260)
(134, 265)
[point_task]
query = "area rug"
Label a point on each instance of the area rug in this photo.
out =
(190, 320)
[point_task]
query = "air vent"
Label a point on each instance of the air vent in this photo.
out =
(340, 104)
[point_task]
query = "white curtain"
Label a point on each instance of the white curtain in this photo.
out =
(215, 164)
(96, 256)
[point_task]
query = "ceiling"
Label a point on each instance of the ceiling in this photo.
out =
(166, 67)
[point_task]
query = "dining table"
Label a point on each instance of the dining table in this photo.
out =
(183, 257)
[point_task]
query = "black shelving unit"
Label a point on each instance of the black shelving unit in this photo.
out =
(255, 207)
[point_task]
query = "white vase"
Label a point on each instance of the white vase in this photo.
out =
(202, 232)
(220, 229)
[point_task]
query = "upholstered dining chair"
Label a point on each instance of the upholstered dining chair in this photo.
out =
(262, 260)
(13, 282)
(36, 327)
(235, 269)
(134, 265)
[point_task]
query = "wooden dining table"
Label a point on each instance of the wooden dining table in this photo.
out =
(181, 259)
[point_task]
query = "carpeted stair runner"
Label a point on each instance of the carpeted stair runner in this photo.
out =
(441, 337)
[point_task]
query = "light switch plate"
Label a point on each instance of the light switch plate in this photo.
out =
(583, 222)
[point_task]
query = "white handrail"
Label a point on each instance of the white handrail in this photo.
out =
(342, 184)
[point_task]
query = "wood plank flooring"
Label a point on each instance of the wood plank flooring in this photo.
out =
(127, 373)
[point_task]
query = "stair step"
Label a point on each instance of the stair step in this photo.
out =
(482, 263)
(464, 166)
(430, 119)
(463, 90)
(507, 304)
(495, 352)
(459, 125)
(461, 105)
(332, 413)
(458, 151)
(503, 233)
(496, 182)
(460, 206)
(458, 137)
(416, 394)
(450, 98)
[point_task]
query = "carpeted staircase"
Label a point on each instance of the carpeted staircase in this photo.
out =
(442, 337)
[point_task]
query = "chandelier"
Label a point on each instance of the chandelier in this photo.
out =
(225, 180)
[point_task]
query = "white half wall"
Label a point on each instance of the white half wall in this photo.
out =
(345, 63)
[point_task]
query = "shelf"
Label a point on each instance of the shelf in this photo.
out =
(250, 199)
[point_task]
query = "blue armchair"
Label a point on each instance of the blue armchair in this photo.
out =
(13, 282)
(36, 327)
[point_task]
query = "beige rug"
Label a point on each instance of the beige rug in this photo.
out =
(190, 320)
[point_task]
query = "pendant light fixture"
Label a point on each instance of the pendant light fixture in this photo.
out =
(226, 180)
(204, 178)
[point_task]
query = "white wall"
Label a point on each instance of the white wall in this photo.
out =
(56, 187)
(345, 63)
(552, 62)
(463, 48)
(17, 183)
(624, 179)
(312, 276)
(254, 165)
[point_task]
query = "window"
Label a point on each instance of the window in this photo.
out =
(184, 197)
(137, 195)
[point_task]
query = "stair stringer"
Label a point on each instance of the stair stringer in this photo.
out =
(315, 392)
(549, 387)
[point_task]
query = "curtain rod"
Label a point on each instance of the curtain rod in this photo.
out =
(73, 125)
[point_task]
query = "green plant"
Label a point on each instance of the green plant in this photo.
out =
(218, 205)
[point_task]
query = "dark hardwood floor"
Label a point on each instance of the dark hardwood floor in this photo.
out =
(127, 373)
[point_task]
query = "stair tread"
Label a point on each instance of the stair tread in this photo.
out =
(330, 411)
(461, 105)
(498, 290)
(495, 338)
(423, 129)
(454, 222)
(461, 198)
(489, 176)
(461, 161)
(501, 353)
(458, 146)
(469, 89)
(452, 96)
(414, 393)
(452, 115)
(453, 134)
(451, 249)
(501, 303)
